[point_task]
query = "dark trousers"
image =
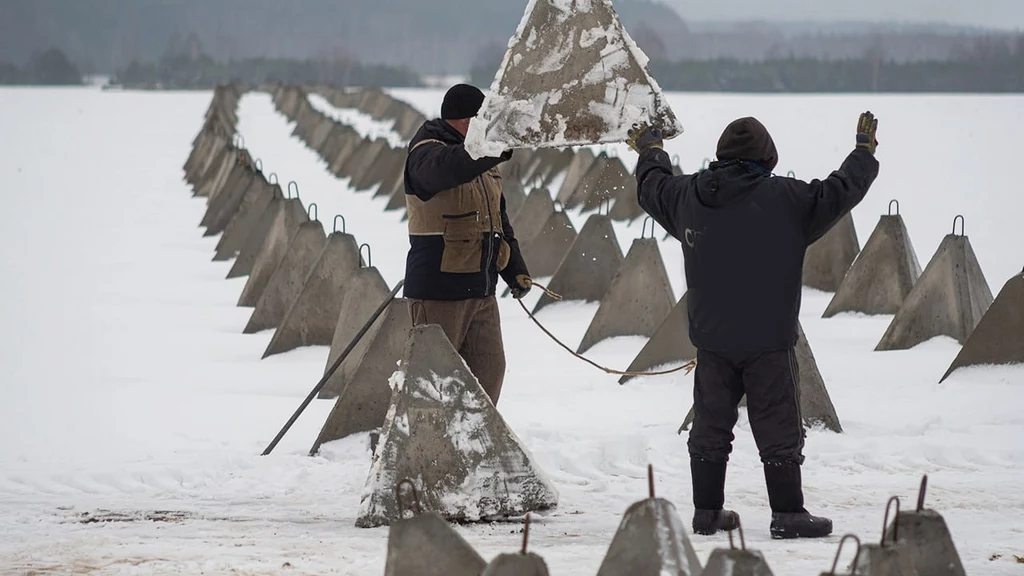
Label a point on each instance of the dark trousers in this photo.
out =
(771, 383)
(474, 329)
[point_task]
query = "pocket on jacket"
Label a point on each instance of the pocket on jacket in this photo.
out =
(463, 245)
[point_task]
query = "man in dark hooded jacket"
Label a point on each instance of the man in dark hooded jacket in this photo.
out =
(460, 238)
(744, 232)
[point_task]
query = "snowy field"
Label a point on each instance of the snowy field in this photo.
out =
(126, 384)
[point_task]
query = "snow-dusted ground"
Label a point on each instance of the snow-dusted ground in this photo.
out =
(127, 385)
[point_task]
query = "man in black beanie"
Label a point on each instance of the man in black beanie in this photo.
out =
(460, 238)
(744, 232)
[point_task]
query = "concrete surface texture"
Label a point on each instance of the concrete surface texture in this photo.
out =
(442, 430)
(889, 558)
(518, 564)
(544, 252)
(999, 336)
(515, 198)
(638, 300)
(669, 344)
(578, 166)
(948, 299)
(650, 541)
(426, 545)
(587, 270)
(535, 210)
(827, 260)
(253, 203)
(736, 562)
(882, 275)
(927, 535)
(289, 215)
(255, 237)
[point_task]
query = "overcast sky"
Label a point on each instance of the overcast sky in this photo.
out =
(1007, 14)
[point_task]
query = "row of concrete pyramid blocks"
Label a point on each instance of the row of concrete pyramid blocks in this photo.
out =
(951, 297)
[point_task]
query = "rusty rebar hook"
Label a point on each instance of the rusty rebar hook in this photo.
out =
(895, 522)
(276, 181)
(650, 480)
(343, 225)
(743, 540)
(962, 224)
(790, 174)
(259, 165)
(643, 230)
(526, 532)
(296, 184)
(313, 211)
(897, 203)
(369, 255)
(835, 562)
(415, 497)
(921, 493)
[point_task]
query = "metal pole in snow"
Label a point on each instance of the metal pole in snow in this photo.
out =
(330, 372)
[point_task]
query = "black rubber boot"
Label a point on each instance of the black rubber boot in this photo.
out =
(709, 497)
(785, 493)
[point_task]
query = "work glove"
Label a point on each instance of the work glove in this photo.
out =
(643, 137)
(522, 286)
(506, 155)
(866, 128)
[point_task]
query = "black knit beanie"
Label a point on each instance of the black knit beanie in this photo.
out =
(748, 139)
(461, 101)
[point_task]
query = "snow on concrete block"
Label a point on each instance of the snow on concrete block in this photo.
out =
(286, 282)
(533, 214)
(999, 336)
(443, 432)
(364, 397)
(948, 299)
(289, 215)
(827, 260)
(257, 198)
(310, 319)
(426, 545)
(571, 76)
(638, 300)
(578, 167)
(587, 270)
(544, 252)
(926, 534)
(882, 275)
(650, 541)
(669, 345)
(815, 402)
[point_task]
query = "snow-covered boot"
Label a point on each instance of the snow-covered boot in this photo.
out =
(785, 493)
(709, 497)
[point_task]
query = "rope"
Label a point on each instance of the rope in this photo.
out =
(689, 366)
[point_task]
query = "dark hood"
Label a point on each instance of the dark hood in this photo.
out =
(748, 139)
(437, 129)
(727, 182)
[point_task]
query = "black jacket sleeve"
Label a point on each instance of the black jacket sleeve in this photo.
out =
(435, 166)
(516, 264)
(825, 202)
(659, 191)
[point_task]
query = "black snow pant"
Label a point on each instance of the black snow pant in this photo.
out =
(770, 381)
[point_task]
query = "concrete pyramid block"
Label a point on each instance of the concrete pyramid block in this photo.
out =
(736, 562)
(587, 270)
(948, 299)
(535, 211)
(827, 260)
(254, 203)
(638, 300)
(815, 403)
(378, 167)
(359, 165)
(627, 204)
(518, 564)
(286, 282)
(364, 395)
(999, 336)
(397, 200)
(670, 343)
(926, 534)
(287, 215)
(571, 76)
(891, 557)
(364, 292)
(311, 317)
(606, 179)
(320, 132)
(882, 275)
(349, 142)
(544, 252)
(443, 432)
(390, 172)
(426, 545)
(256, 235)
(225, 204)
(515, 198)
(650, 541)
(218, 169)
(578, 167)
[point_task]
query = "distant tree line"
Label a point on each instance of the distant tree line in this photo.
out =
(49, 68)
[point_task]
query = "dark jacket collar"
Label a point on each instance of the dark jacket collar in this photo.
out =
(437, 129)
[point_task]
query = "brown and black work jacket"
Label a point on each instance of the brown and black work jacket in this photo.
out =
(460, 236)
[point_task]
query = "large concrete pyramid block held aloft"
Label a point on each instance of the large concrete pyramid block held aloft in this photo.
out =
(522, 563)
(364, 397)
(571, 76)
(815, 403)
(830, 257)
(310, 319)
(285, 284)
(426, 545)
(670, 343)
(883, 274)
(932, 551)
(442, 431)
(289, 215)
(948, 299)
(650, 541)
(587, 271)
(890, 557)
(638, 300)
(999, 336)
(733, 561)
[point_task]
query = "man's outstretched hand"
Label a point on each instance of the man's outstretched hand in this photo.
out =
(866, 128)
(643, 137)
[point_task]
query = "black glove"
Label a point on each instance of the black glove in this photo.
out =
(506, 156)
(522, 286)
(866, 128)
(643, 137)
